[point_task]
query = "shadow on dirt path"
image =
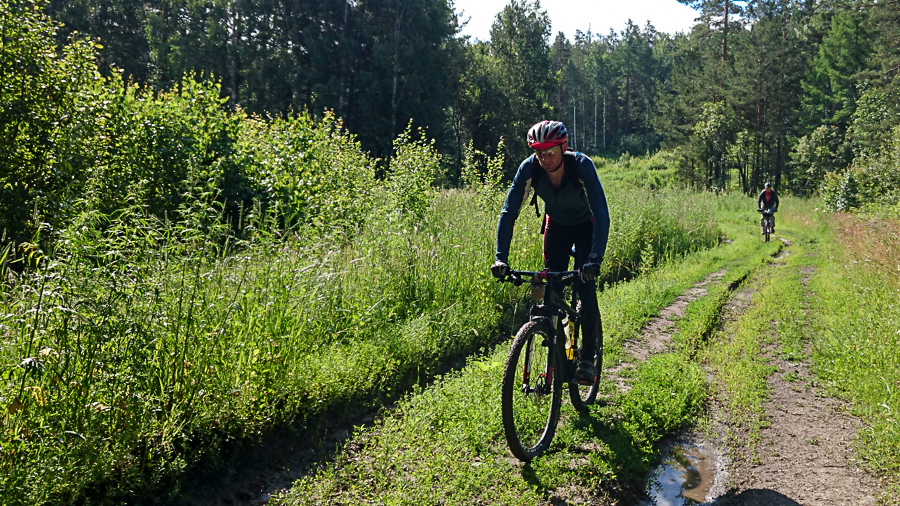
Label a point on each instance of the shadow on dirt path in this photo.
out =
(270, 467)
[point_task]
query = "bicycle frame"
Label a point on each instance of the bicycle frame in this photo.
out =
(554, 305)
(768, 221)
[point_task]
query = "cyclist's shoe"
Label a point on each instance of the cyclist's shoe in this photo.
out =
(586, 372)
(763, 232)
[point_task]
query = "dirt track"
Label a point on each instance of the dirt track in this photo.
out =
(805, 455)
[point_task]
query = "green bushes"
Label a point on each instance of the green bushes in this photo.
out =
(872, 180)
(47, 109)
(309, 170)
(74, 142)
(167, 151)
(873, 177)
(413, 169)
(161, 152)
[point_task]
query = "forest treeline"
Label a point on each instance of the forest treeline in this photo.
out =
(775, 90)
(799, 93)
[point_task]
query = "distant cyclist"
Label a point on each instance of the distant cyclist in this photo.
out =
(768, 199)
(576, 214)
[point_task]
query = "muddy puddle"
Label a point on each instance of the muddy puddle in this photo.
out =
(690, 472)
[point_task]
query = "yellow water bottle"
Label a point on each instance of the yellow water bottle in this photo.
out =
(570, 340)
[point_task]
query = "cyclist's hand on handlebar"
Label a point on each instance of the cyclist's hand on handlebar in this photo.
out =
(590, 271)
(500, 269)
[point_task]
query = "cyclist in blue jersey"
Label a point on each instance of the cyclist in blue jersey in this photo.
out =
(575, 214)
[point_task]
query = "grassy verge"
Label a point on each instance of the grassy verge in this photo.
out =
(855, 331)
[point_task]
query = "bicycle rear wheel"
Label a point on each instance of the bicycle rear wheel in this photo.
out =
(583, 395)
(531, 393)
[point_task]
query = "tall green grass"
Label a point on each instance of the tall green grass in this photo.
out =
(855, 329)
(652, 172)
(141, 350)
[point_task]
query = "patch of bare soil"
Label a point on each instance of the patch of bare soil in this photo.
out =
(805, 456)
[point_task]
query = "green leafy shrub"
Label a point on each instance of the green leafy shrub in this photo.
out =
(816, 155)
(840, 191)
(308, 170)
(160, 151)
(48, 107)
(413, 169)
(482, 172)
(871, 180)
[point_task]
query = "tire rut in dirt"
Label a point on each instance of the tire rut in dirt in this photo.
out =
(805, 453)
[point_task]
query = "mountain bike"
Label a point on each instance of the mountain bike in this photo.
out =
(543, 356)
(768, 222)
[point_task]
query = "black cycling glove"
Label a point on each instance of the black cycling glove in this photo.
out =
(500, 269)
(590, 271)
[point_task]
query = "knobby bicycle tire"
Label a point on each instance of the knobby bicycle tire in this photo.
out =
(583, 396)
(530, 401)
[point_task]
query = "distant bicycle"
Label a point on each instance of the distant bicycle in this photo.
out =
(768, 222)
(543, 356)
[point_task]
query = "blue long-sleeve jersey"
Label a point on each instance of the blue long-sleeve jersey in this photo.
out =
(566, 205)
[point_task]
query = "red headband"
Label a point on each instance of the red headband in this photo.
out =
(540, 146)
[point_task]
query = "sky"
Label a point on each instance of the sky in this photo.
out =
(599, 15)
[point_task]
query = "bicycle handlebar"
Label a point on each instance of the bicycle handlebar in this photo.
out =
(518, 278)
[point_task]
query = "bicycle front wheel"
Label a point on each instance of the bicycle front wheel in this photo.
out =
(531, 393)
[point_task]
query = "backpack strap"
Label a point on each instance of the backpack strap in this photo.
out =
(534, 196)
(534, 202)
